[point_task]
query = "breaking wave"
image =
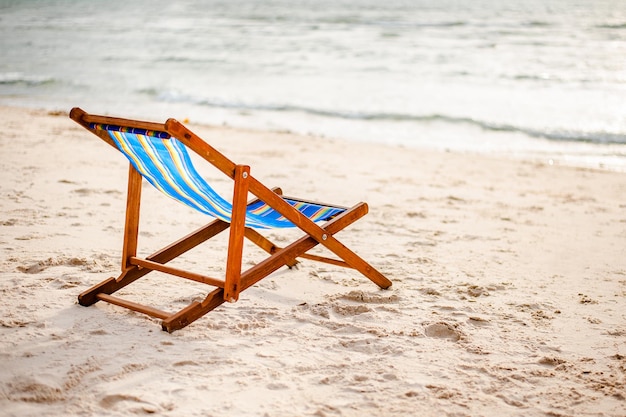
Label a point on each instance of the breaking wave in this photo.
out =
(600, 137)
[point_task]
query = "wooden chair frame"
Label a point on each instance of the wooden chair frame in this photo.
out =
(235, 280)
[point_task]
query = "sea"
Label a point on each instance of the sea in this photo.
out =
(539, 79)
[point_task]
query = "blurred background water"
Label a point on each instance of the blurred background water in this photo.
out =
(538, 78)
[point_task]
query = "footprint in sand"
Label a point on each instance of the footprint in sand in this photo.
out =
(129, 403)
(367, 297)
(95, 265)
(443, 330)
(43, 390)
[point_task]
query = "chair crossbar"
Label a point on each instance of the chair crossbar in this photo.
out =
(155, 266)
(140, 308)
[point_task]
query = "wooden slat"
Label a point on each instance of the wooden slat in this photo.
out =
(155, 266)
(139, 124)
(140, 308)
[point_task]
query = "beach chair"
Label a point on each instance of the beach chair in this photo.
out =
(159, 153)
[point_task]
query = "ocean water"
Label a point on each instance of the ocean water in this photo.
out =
(535, 78)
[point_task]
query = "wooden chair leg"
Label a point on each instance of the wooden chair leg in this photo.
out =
(131, 226)
(237, 230)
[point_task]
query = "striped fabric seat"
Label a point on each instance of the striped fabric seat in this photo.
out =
(165, 163)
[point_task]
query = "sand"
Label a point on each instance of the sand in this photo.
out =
(509, 293)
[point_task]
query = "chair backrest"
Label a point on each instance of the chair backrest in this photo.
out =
(165, 163)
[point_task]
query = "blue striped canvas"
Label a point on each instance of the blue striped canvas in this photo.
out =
(165, 163)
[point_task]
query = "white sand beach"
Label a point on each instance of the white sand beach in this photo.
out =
(508, 296)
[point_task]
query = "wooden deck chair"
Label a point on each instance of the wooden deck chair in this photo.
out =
(159, 153)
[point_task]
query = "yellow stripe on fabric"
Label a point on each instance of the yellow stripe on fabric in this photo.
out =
(127, 149)
(298, 206)
(261, 210)
(321, 213)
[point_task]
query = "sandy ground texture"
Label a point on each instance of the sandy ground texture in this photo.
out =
(509, 295)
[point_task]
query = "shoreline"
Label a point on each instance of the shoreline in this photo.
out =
(475, 142)
(508, 296)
